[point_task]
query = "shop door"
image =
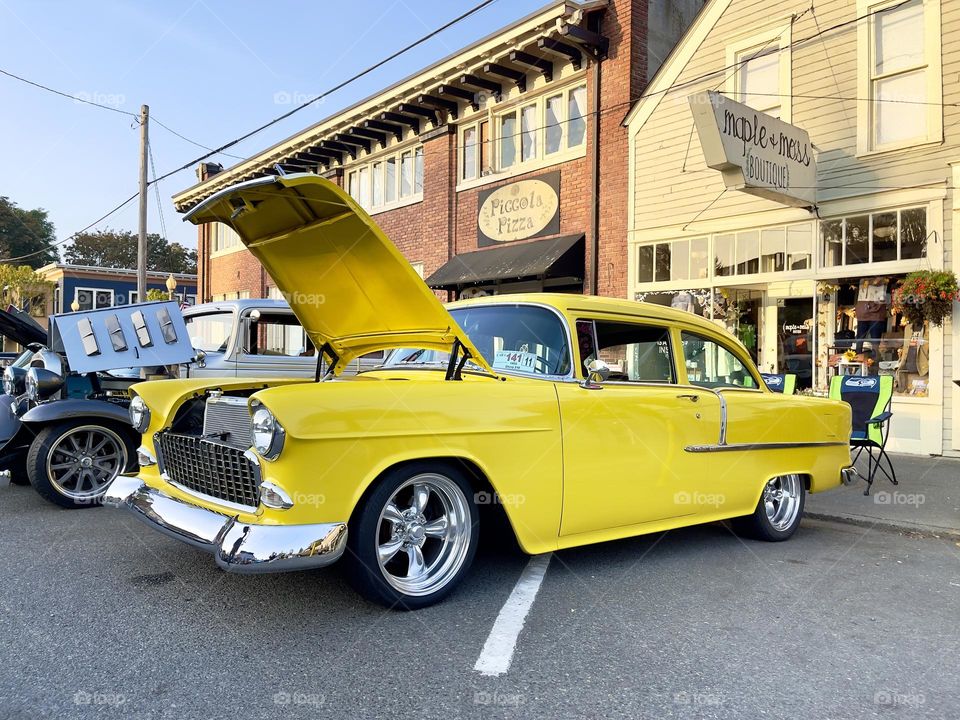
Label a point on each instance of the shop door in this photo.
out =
(795, 328)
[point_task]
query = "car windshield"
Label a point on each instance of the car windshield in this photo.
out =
(210, 332)
(513, 338)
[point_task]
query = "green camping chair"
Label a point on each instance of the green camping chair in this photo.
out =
(786, 384)
(870, 400)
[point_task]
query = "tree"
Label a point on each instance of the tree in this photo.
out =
(118, 249)
(25, 232)
(22, 287)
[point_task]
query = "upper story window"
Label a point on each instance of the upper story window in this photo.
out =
(878, 237)
(761, 76)
(388, 180)
(93, 298)
(900, 74)
(527, 135)
(224, 237)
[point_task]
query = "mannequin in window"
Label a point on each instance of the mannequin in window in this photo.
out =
(871, 308)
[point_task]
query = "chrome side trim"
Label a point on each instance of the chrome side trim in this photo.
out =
(739, 447)
(237, 547)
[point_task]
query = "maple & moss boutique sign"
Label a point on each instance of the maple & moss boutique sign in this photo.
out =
(755, 152)
(520, 210)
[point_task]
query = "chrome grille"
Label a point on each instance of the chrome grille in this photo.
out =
(208, 467)
(227, 419)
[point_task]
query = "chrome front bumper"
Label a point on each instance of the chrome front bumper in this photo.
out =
(238, 547)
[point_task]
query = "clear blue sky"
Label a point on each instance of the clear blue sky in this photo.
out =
(210, 69)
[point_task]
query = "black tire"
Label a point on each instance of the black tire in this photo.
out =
(760, 526)
(369, 530)
(52, 437)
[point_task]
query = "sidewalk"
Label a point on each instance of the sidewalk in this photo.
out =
(927, 499)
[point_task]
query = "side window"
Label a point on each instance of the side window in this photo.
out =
(279, 336)
(635, 353)
(710, 364)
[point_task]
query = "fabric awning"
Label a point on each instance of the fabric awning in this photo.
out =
(556, 257)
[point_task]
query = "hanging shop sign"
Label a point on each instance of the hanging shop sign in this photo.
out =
(520, 210)
(755, 152)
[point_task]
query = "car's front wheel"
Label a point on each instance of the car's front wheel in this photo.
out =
(73, 463)
(779, 511)
(415, 537)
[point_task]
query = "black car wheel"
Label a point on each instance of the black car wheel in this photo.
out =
(73, 463)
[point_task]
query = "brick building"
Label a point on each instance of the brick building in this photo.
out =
(500, 168)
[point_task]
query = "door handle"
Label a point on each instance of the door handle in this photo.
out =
(689, 396)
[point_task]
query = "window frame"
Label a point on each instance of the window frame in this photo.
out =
(671, 350)
(94, 305)
(866, 107)
(390, 193)
(744, 360)
(860, 267)
(782, 34)
(218, 232)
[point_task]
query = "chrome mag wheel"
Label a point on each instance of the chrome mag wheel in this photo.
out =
(84, 460)
(423, 534)
(781, 500)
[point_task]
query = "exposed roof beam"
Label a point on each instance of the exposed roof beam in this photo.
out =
(397, 130)
(398, 119)
(483, 84)
(519, 77)
(338, 147)
(593, 43)
(424, 112)
(311, 156)
(542, 65)
(348, 139)
(379, 137)
(449, 106)
(572, 53)
(461, 93)
(325, 153)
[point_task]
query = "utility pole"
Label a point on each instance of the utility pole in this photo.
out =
(142, 239)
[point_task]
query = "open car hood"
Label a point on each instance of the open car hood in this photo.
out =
(21, 328)
(351, 289)
(127, 336)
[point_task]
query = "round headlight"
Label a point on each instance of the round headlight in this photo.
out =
(267, 433)
(139, 414)
(9, 382)
(42, 383)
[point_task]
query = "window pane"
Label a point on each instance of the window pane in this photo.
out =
(900, 114)
(576, 110)
(104, 298)
(508, 140)
(858, 248)
(710, 364)
(831, 232)
(554, 127)
(748, 252)
(352, 186)
(662, 262)
(418, 170)
(884, 237)
(390, 181)
(528, 121)
(772, 249)
(377, 184)
(469, 153)
(799, 247)
(899, 38)
(635, 353)
(723, 254)
(485, 164)
(913, 233)
(759, 80)
(365, 187)
(406, 174)
(698, 259)
(680, 260)
(645, 263)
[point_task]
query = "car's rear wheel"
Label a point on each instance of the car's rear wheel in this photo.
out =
(73, 463)
(415, 537)
(779, 512)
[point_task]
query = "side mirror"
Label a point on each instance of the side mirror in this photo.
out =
(254, 315)
(597, 372)
(200, 358)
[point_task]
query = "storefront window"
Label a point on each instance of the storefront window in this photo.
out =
(748, 252)
(799, 247)
(723, 252)
(880, 237)
(773, 243)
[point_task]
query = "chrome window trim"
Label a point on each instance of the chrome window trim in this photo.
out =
(646, 322)
(740, 447)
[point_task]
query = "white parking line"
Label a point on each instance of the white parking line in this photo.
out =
(498, 649)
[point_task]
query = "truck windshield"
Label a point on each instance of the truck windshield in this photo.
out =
(210, 332)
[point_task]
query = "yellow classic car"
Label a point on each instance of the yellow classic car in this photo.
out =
(582, 419)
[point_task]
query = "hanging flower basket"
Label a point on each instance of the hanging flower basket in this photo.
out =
(927, 295)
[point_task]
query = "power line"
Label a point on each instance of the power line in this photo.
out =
(75, 98)
(477, 8)
(153, 118)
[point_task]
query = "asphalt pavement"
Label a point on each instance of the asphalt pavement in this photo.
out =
(101, 617)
